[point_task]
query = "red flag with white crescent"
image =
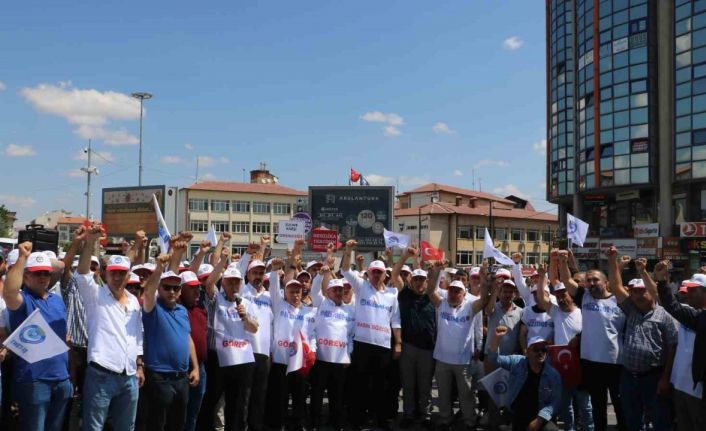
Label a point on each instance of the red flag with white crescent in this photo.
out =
(355, 175)
(431, 253)
(566, 360)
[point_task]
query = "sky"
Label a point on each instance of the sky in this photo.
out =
(406, 92)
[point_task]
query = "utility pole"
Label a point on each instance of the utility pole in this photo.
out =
(88, 170)
(142, 95)
(197, 169)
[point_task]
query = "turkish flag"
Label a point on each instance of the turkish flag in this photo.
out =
(431, 253)
(567, 362)
(355, 175)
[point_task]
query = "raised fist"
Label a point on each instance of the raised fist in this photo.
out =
(205, 246)
(351, 244)
(624, 261)
(641, 264)
(500, 331)
(163, 259)
(411, 251)
(225, 236)
(612, 252)
(25, 249)
(265, 239)
(517, 258)
(277, 264)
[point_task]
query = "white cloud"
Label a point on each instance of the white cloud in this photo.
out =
(189, 147)
(458, 173)
(207, 177)
(540, 147)
(380, 180)
(90, 110)
(98, 158)
(391, 120)
(170, 160)
(488, 162)
(443, 128)
(391, 131)
(14, 150)
(512, 43)
(511, 189)
(206, 161)
(11, 201)
(224, 159)
(3, 87)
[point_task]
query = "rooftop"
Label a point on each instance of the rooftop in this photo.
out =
(431, 187)
(71, 220)
(445, 208)
(232, 186)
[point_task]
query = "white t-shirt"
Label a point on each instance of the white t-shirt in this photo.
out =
(681, 371)
(233, 345)
(375, 311)
(334, 332)
(289, 322)
(262, 304)
(539, 324)
(602, 329)
(3, 318)
(566, 325)
(455, 335)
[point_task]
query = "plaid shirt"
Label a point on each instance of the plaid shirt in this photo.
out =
(76, 333)
(647, 337)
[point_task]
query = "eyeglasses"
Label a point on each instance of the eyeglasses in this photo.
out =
(376, 271)
(171, 288)
(134, 286)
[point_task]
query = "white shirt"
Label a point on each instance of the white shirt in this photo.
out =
(525, 293)
(455, 332)
(566, 325)
(3, 318)
(262, 304)
(539, 324)
(602, 329)
(375, 311)
(233, 344)
(334, 332)
(681, 371)
(114, 331)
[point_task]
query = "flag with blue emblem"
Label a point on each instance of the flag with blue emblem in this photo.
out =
(497, 384)
(576, 229)
(363, 181)
(34, 340)
(164, 235)
(394, 239)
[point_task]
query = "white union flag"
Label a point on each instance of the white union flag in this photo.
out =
(34, 340)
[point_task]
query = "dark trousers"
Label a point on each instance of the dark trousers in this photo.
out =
(168, 395)
(331, 378)
(641, 402)
(281, 386)
(237, 383)
(256, 412)
(600, 378)
(371, 370)
(214, 390)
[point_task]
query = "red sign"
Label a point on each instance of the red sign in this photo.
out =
(321, 238)
(692, 229)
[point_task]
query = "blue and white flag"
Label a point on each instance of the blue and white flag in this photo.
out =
(34, 340)
(394, 239)
(576, 229)
(363, 181)
(164, 235)
(211, 236)
(497, 384)
(489, 250)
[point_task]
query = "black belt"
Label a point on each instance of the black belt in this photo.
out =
(102, 368)
(170, 375)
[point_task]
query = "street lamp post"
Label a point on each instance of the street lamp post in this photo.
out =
(142, 95)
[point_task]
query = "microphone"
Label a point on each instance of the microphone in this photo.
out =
(238, 299)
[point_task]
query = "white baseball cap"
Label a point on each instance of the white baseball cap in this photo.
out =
(118, 263)
(185, 264)
(134, 279)
(293, 282)
(150, 266)
(256, 264)
(38, 261)
(451, 271)
(232, 273)
(12, 257)
(636, 283)
(377, 265)
(458, 284)
(502, 272)
(419, 273)
(474, 272)
(204, 271)
(509, 283)
(699, 279)
(536, 339)
(50, 254)
(313, 263)
(303, 273)
(405, 268)
(336, 282)
(189, 278)
(94, 259)
(535, 287)
(169, 274)
(559, 286)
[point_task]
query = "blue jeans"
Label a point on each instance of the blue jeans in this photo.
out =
(43, 404)
(566, 411)
(105, 393)
(195, 398)
(639, 395)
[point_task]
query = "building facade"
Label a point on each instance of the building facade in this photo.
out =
(454, 220)
(626, 113)
(66, 227)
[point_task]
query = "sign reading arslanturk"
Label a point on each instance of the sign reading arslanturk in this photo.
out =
(129, 209)
(361, 213)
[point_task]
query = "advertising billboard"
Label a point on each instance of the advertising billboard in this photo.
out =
(129, 209)
(360, 213)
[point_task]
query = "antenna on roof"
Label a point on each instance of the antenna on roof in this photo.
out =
(480, 184)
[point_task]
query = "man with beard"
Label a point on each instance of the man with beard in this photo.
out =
(648, 350)
(534, 385)
(602, 326)
(567, 330)
(418, 321)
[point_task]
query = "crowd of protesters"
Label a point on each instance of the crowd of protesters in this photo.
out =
(255, 342)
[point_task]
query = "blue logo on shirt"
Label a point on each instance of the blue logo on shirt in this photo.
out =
(32, 334)
(500, 388)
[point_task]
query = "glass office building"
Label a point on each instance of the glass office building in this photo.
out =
(626, 112)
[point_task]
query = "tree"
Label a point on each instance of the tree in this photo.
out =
(5, 222)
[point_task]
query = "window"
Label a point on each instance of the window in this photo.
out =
(479, 258)
(480, 232)
(464, 257)
(500, 234)
(239, 249)
(261, 227)
(221, 226)
(198, 226)
(241, 206)
(532, 235)
(220, 206)
(275, 227)
(464, 232)
(261, 207)
(517, 234)
(546, 236)
(532, 259)
(279, 208)
(198, 205)
(193, 249)
(241, 227)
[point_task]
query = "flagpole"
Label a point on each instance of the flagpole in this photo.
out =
(349, 176)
